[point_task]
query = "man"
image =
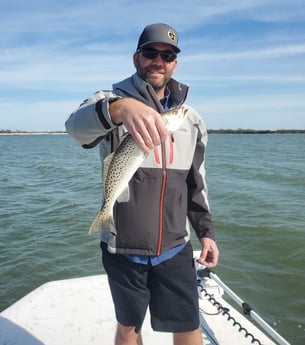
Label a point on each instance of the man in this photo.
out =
(149, 261)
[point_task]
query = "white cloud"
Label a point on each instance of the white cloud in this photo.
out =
(254, 112)
(259, 53)
(53, 54)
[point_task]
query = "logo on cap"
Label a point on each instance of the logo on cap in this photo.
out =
(171, 35)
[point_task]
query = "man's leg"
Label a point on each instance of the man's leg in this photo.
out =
(174, 297)
(128, 285)
(127, 336)
(188, 338)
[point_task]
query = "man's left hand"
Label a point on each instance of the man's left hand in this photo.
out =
(209, 253)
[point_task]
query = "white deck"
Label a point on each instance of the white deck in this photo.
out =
(80, 312)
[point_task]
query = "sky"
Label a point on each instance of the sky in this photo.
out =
(243, 60)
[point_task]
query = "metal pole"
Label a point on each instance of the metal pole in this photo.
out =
(277, 337)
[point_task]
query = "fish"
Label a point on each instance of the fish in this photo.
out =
(121, 165)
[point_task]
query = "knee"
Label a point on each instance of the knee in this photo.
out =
(126, 335)
(188, 338)
(125, 331)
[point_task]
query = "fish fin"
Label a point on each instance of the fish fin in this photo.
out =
(112, 228)
(102, 222)
(95, 224)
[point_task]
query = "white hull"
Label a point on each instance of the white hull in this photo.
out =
(80, 312)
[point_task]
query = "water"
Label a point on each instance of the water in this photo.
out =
(50, 192)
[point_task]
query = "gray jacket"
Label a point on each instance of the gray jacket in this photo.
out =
(169, 190)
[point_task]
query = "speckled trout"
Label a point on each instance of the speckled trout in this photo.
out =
(121, 165)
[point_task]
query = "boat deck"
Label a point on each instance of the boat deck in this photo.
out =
(79, 311)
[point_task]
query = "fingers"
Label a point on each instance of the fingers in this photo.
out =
(143, 123)
(207, 262)
(148, 130)
(209, 254)
(162, 133)
(143, 141)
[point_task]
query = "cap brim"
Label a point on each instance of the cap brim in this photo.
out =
(177, 50)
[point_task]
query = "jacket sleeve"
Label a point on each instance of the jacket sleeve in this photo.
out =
(198, 205)
(91, 122)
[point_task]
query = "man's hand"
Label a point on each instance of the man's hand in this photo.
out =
(209, 254)
(143, 122)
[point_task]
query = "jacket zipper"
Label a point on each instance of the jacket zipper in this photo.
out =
(164, 177)
(163, 186)
(171, 151)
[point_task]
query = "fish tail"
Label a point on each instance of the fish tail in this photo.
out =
(103, 221)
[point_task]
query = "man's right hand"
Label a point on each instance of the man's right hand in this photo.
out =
(143, 122)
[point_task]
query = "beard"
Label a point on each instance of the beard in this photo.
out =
(154, 75)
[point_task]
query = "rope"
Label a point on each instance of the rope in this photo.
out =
(226, 312)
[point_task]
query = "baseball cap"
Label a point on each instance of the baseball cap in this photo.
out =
(159, 33)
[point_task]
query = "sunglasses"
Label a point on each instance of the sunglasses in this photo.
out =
(166, 55)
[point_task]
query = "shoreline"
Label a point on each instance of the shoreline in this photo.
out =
(256, 131)
(32, 133)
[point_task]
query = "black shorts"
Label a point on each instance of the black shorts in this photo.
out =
(169, 289)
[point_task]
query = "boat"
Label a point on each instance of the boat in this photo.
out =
(79, 311)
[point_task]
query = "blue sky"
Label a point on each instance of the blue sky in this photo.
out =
(243, 60)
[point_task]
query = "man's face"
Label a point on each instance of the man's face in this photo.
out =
(153, 69)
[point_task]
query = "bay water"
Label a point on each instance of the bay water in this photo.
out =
(50, 191)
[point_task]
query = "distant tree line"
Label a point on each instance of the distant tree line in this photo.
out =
(254, 131)
(8, 131)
